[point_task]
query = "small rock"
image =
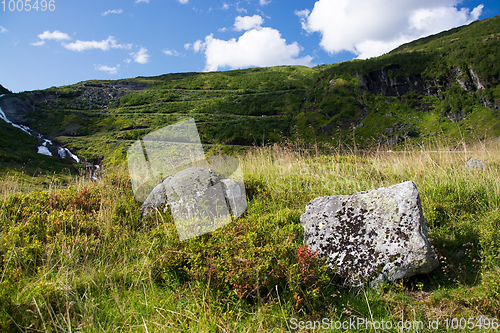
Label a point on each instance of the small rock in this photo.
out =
(474, 163)
(371, 236)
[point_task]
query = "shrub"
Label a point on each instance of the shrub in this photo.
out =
(250, 258)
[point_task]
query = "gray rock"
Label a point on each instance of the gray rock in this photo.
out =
(371, 236)
(232, 184)
(199, 200)
(196, 200)
(189, 182)
(235, 195)
(474, 163)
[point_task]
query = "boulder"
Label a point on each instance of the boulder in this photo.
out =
(371, 236)
(199, 200)
(474, 163)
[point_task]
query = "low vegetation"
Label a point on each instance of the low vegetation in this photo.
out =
(78, 257)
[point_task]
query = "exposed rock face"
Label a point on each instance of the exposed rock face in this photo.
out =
(379, 82)
(476, 80)
(99, 95)
(474, 163)
(456, 117)
(16, 109)
(376, 235)
(89, 95)
(463, 81)
(198, 199)
(397, 133)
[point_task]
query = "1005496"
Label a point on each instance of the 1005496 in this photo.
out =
(28, 5)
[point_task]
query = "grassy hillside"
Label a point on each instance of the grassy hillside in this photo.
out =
(444, 86)
(435, 77)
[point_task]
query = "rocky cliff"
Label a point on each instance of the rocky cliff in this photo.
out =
(16, 109)
(92, 95)
(380, 82)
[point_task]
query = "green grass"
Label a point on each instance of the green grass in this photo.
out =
(79, 258)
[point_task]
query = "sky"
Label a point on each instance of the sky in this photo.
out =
(67, 41)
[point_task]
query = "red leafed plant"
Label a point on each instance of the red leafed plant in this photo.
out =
(307, 277)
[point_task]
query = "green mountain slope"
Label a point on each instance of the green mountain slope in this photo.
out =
(442, 87)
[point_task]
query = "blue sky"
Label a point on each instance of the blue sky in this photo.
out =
(111, 39)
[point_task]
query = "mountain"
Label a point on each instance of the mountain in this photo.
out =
(443, 87)
(4, 91)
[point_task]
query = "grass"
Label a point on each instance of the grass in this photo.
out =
(78, 257)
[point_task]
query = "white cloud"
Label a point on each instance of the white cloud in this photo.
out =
(240, 10)
(264, 2)
(55, 35)
(107, 69)
(47, 35)
(198, 46)
(248, 22)
(172, 53)
(183, 1)
(141, 56)
(370, 28)
(112, 11)
(263, 47)
(225, 6)
(3, 30)
(303, 14)
(139, 1)
(103, 45)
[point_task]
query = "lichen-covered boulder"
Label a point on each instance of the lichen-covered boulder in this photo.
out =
(371, 236)
(191, 182)
(199, 200)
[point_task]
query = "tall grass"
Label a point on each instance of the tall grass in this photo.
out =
(77, 257)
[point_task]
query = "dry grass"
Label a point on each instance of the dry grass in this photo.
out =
(86, 283)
